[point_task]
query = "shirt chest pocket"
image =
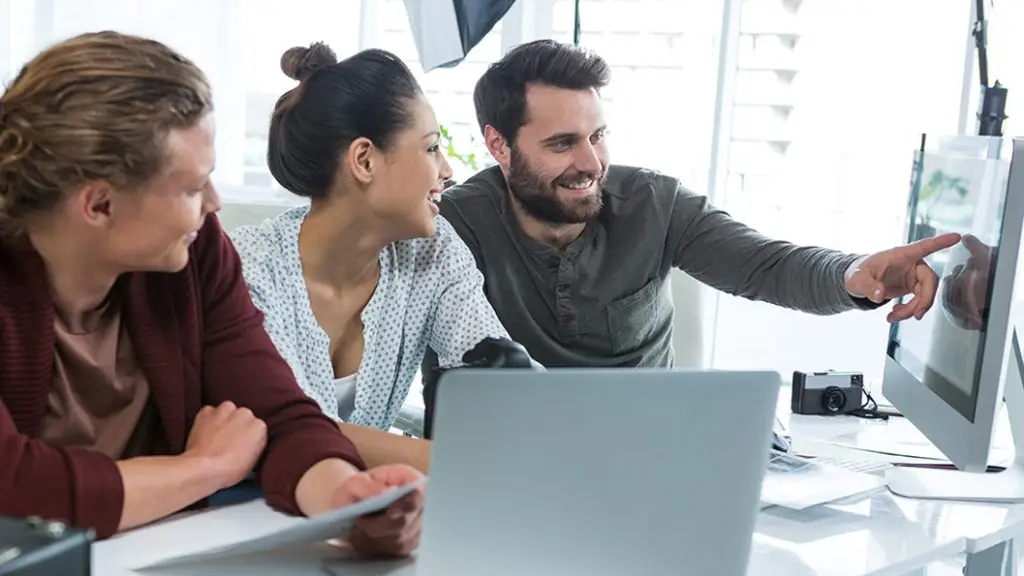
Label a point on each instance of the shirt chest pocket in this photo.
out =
(634, 319)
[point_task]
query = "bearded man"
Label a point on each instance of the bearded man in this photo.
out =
(576, 251)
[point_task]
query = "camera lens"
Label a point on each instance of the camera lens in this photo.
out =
(833, 399)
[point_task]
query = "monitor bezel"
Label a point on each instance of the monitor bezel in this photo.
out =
(965, 442)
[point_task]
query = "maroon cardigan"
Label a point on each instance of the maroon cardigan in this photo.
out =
(198, 339)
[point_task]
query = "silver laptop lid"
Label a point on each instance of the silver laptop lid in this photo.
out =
(599, 471)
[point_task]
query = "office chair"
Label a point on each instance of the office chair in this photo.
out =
(488, 353)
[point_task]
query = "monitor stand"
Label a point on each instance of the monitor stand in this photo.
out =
(1005, 486)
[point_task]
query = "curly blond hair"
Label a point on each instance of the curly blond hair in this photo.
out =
(95, 107)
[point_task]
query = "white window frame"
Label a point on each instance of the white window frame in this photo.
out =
(721, 142)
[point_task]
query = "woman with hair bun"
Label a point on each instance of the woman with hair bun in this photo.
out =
(136, 378)
(356, 285)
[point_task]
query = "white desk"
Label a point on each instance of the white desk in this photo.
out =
(879, 535)
(989, 530)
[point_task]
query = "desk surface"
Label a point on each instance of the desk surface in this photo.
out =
(878, 535)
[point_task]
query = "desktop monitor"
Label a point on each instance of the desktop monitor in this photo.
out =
(948, 372)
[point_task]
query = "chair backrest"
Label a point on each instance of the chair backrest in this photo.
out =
(488, 353)
(690, 299)
(599, 471)
(234, 214)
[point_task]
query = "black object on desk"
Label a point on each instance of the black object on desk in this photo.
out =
(780, 443)
(36, 547)
(488, 353)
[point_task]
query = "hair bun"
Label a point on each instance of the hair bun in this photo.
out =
(299, 62)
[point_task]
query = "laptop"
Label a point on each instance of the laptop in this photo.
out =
(596, 471)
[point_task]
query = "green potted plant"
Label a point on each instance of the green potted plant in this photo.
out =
(467, 156)
(939, 183)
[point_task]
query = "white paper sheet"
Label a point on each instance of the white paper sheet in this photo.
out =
(331, 524)
(797, 483)
(906, 444)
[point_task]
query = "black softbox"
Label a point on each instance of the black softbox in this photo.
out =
(446, 30)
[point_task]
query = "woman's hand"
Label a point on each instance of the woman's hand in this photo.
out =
(394, 531)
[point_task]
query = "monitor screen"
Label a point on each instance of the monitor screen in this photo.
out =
(964, 192)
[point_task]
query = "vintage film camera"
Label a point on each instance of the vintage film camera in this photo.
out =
(827, 393)
(36, 547)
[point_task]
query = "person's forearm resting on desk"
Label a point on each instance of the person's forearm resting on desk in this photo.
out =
(378, 447)
(155, 487)
(158, 486)
(88, 489)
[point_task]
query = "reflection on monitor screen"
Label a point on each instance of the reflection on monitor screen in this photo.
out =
(943, 350)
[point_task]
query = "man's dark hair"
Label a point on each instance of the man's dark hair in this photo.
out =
(500, 94)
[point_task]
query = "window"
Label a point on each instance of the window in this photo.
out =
(663, 55)
(830, 99)
(373, 24)
(234, 43)
(265, 30)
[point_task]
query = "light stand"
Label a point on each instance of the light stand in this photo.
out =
(576, 30)
(992, 110)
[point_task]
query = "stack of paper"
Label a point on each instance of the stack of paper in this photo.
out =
(797, 483)
(903, 444)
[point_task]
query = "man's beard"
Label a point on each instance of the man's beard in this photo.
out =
(540, 198)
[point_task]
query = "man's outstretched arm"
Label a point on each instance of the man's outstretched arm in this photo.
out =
(708, 244)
